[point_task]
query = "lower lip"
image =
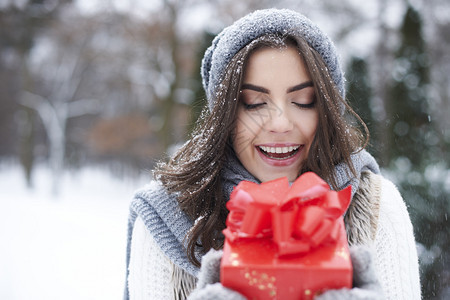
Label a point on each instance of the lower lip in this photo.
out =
(280, 162)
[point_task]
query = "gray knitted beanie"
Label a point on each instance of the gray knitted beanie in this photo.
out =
(261, 22)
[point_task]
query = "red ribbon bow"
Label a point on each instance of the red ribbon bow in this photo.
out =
(298, 218)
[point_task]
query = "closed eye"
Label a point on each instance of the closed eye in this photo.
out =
(253, 106)
(305, 106)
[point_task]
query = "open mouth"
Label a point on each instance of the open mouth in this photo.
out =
(279, 153)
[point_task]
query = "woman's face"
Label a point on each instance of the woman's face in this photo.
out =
(277, 116)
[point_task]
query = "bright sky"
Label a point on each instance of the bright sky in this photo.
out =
(196, 18)
(138, 7)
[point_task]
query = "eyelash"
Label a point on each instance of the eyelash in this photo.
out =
(305, 106)
(258, 105)
(252, 106)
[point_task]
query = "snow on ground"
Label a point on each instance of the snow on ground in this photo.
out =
(66, 247)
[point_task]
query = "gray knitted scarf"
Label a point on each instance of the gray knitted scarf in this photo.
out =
(168, 225)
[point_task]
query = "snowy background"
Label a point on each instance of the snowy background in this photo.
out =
(115, 84)
(66, 247)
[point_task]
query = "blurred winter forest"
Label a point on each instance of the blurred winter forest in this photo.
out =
(116, 84)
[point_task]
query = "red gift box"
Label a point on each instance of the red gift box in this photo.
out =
(286, 242)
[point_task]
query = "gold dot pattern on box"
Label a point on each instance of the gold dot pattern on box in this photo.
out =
(234, 259)
(262, 281)
(309, 295)
(342, 253)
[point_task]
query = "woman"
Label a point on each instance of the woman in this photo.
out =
(276, 108)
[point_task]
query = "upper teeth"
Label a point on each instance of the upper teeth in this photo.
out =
(279, 149)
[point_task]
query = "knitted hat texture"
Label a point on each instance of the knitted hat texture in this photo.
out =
(261, 22)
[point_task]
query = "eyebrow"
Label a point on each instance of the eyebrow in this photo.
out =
(300, 86)
(248, 86)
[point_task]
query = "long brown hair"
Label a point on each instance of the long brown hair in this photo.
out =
(193, 173)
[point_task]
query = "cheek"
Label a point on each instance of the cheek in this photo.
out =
(242, 134)
(247, 125)
(314, 124)
(248, 128)
(308, 125)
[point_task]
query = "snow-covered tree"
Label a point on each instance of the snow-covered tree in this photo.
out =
(414, 156)
(58, 63)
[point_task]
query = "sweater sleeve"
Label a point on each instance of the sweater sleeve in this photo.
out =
(150, 270)
(396, 260)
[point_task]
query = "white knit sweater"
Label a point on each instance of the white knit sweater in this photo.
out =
(396, 261)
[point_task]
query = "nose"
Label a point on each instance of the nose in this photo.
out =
(279, 120)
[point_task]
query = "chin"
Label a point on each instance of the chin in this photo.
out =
(290, 177)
